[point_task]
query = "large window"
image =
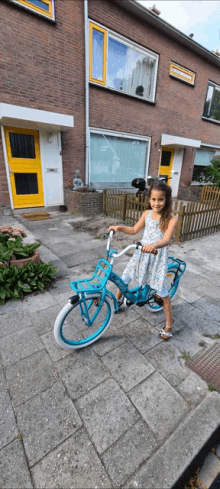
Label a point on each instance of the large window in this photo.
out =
(115, 158)
(212, 102)
(121, 65)
(41, 7)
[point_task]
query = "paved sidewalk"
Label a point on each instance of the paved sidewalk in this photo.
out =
(124, 412)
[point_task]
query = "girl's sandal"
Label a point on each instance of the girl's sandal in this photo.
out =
(165, 335)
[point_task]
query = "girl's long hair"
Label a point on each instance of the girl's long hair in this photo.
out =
(167, 210)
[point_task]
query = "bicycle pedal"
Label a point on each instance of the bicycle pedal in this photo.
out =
(158, 300)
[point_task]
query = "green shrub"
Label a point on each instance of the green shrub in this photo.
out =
(212, 171)
(14, 282)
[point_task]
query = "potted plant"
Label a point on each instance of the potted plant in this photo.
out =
(14, 252)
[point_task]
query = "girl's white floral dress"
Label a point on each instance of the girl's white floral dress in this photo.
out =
(147, 268)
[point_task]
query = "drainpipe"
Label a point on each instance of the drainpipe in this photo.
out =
(87, 89)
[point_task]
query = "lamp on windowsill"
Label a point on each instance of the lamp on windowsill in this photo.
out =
(49, 137)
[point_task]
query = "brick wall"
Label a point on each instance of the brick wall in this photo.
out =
(179, 106)
(86, 204)
(44, 68)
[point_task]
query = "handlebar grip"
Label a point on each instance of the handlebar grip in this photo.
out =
(152, 252)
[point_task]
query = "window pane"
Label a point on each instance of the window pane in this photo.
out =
(114, 159)
(215, 109)
(97, 54)
(207, 106)
(22, 145)
(40, 4)
(166, 157)
(129, 70)
(26, 183)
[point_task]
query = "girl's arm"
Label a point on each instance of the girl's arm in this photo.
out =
(131, 230)
(166, 240)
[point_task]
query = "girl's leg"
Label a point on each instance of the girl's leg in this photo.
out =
(168, 315)
(118, 294)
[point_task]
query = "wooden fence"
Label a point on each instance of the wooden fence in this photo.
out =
(196, 219)
(210, 194)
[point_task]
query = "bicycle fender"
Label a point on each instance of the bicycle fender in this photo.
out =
(108, 292)
(74, 299)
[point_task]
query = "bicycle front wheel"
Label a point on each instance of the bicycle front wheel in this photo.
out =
(172, 285)
(71, 329)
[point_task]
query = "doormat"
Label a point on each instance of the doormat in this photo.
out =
(36, 216)
(207, 365)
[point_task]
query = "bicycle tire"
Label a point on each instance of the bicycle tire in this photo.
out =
(71, 331)
(172, 287)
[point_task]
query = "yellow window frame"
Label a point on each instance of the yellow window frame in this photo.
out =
(183, 71)
(103, 31)
(31, 6)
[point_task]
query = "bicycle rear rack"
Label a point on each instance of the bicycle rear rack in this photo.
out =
(97, 282)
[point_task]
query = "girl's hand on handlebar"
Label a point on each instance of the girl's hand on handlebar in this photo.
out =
(113, 228)
(149, 249)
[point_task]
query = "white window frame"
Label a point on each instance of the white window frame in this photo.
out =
(210, 83)
(35, 11)
(107, 132)
(137, 47)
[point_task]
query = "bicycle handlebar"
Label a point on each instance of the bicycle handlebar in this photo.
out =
(138, 246)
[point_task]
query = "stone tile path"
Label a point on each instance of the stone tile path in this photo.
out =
(126, 411)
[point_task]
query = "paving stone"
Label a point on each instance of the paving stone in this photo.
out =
(3, 386)
(125, 316)
(209, 289)
(180, 449)
(209, 306)
(60, 287)
(142, 335)
(212, 276)
(46, 420)
(30, 376)
(19, 345)
(81, 372)
(44, 320)
(14, 471)
(153, 318)
(62, 269)
(209, 470)
(73, 464)
(128, 366)
(112, 338)
(63, 248)
(191, 280)
(187, 340)
(129, 452)
(35, 303)
(107, 408)
(199, 321)
(8, 428)
(159, 404)
(11, 323)
(62, 299)
(12, 307)
(73, 259)
(54, 350)
(190, 295)
(193, 389)
(165, 358)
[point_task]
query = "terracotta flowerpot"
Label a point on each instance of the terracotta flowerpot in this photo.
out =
(35, 258)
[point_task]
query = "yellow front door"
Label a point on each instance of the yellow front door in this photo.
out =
(23, 153)
(166, 163)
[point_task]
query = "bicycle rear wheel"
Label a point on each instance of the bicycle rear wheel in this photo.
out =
(172, 285)
(71, 329)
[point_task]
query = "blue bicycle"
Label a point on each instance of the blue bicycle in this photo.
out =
(88, 313)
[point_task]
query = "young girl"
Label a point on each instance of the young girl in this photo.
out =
(150, 268)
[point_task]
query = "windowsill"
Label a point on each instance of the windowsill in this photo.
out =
(114, 90)
(210, 120)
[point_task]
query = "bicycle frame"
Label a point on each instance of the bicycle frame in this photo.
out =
(97, 284)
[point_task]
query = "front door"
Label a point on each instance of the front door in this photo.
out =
(24, 162)
(166, 163)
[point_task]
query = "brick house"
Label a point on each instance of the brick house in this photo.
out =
(128, 95)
